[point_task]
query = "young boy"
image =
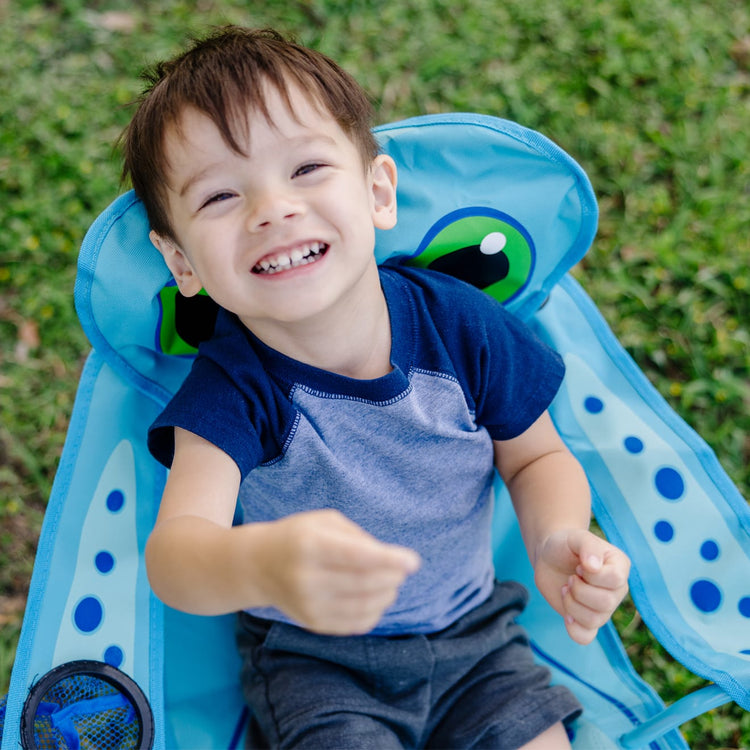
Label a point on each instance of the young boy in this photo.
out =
(358, 413)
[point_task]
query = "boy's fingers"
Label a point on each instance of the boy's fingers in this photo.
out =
(369, 554)
(582, 622)
(589, 549)
(401, 558)
(364, 583)
(585, 618)
(594, 598)
(613, 574)
(600, 564)
(343, 544)
(580, 634)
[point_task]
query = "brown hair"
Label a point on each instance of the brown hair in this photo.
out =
(222, 76)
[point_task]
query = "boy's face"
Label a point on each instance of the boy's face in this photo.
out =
(284, 233)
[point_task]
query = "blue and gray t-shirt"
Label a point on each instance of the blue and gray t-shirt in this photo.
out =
(408, 456)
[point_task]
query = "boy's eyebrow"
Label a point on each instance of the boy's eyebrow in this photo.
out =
(196, 177)
(299, 140)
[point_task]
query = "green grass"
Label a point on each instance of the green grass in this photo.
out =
(652, 98)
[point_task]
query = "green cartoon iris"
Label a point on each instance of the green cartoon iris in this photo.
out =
(483, 247)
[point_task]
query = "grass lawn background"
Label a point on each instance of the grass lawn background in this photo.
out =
(652, 98)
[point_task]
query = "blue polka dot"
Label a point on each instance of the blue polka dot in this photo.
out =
(114, 656)
(706, 595)
(669, 483)
(709, 550)
(664, 531)
(633, 444)
(88, 614)
(115, 501)
(104, 562)
(593, 405)
(744, 606)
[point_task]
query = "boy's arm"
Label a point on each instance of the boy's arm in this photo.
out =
(581, 575)
(318, 567)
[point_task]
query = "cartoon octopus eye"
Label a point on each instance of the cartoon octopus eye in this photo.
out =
(184, 322)
(493, 243)
(483, 247)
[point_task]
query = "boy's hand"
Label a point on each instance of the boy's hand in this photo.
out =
(584, 578)
(331, 576)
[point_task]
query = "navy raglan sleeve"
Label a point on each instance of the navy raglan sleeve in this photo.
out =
(209, 405)
(520, 376)
(509, 375)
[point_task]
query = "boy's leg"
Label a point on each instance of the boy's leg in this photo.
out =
(361, 732)
(346, 731)
(494, 695)
(312, 691)
(555, 738)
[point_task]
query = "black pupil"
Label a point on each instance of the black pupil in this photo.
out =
(470, 264)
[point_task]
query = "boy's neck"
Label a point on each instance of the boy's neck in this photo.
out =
(355, 342)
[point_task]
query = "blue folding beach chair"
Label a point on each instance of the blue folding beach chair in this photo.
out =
(102, 663)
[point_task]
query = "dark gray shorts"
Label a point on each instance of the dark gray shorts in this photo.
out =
(472, 685)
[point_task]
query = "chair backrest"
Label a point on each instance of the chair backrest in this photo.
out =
(469, 187)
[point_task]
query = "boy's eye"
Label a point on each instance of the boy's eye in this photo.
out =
(307, 169)
(217, 198)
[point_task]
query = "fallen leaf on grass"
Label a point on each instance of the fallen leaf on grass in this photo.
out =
(115, 20)
(28, 340)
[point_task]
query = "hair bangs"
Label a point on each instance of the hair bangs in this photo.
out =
(226, 77)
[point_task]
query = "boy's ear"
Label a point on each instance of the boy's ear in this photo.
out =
(187, 280)
(384, 181)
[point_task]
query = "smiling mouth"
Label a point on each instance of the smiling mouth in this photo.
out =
(300, 256)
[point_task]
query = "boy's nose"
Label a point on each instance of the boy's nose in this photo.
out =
(271, 207)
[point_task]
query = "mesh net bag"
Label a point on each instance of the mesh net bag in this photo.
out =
(86, 706)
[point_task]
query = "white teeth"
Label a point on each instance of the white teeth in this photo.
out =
(299, 256)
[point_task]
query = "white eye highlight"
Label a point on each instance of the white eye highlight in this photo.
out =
(493, 243)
